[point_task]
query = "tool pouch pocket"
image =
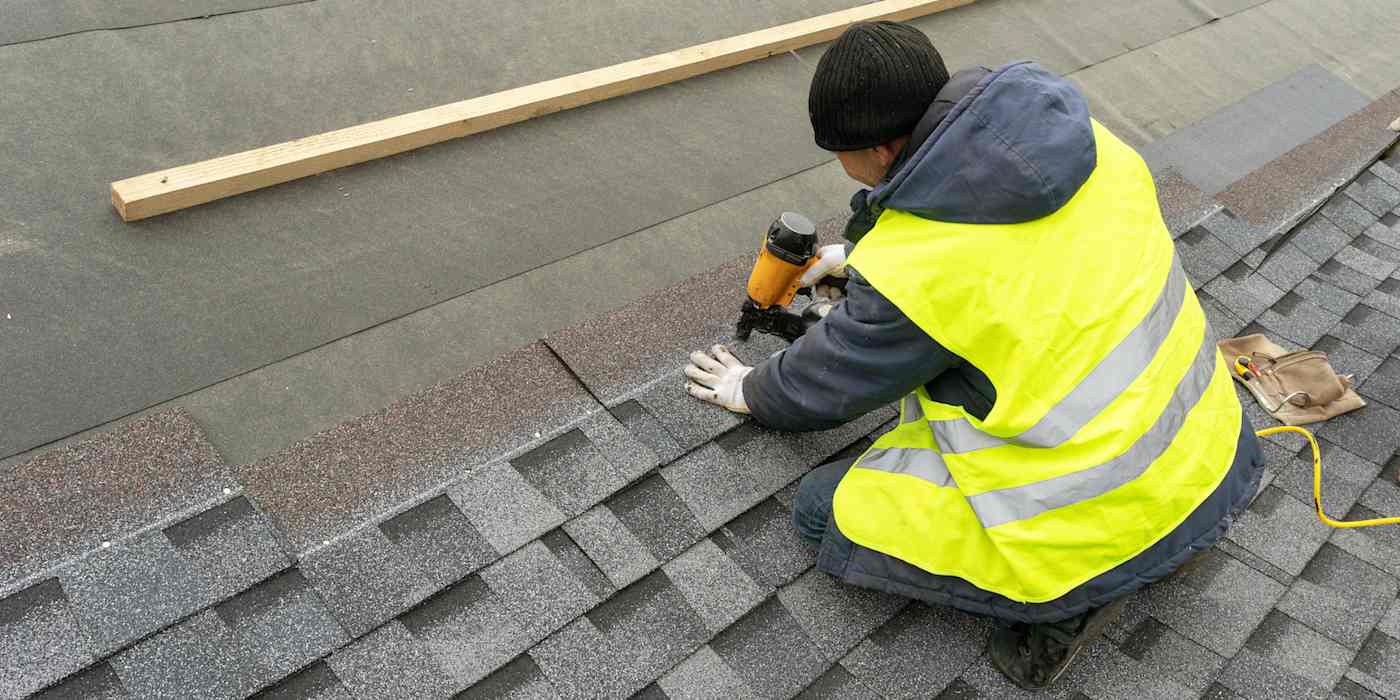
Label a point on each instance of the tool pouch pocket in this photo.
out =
(1304, 379)
(1297, 388)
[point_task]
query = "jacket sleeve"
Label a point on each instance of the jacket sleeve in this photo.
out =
(866, 353)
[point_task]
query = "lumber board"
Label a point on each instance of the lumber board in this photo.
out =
(198, 183)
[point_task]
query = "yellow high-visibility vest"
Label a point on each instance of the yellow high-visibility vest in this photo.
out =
(1114, 416)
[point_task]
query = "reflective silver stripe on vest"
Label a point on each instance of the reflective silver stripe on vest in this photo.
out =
(914, 461)
(912, 411)
(999, 507)
(1111, 377)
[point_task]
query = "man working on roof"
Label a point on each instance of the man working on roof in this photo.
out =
(1068, 432)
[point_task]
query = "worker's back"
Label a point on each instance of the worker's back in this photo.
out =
(1031, 246)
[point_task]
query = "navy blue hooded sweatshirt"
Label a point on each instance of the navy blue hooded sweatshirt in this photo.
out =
(1004, 146)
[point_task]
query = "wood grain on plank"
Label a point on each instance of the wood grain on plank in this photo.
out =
(185, 186)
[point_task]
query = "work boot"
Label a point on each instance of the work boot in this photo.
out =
(1035, 656)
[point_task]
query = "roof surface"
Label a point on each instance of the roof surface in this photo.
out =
(281, 313)
(567, 522)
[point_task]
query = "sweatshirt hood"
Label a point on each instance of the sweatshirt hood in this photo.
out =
(1015, 148)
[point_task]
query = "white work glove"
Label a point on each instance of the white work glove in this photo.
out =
(831, 262)
(718, 378)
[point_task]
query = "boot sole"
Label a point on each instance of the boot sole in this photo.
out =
(1093, 628)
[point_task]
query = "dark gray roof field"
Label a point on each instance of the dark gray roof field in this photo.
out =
(566, 522)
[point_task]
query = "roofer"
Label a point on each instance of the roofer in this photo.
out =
(1067, 431)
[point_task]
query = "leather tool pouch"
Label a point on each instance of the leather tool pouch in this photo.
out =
(1295, 387)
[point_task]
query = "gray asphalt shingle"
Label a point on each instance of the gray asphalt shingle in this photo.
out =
(770, 652)
(716, 587)
(919, 652)
(39, 639)
(366, 579)
(131, 589)
(389, 663)
(231, 544)
(1340, 596)
(1348, 215)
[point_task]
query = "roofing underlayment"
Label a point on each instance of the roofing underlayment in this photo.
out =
(289, 304)
(566, 522)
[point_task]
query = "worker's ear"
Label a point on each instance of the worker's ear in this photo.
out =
(887, 153)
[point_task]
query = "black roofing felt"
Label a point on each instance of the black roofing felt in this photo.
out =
(566, 522)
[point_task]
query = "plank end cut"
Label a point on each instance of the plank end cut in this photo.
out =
(152, 194)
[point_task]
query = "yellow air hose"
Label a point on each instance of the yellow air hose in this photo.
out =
(1317, 482)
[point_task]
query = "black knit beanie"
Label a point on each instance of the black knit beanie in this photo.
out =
(873, 85)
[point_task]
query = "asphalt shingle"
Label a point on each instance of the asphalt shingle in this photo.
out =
(230, 544)
(568, 552)
(764, 542)
(520, 679)
(1284, 658)
(585, 465)
(717, 589)
(98, 682)
(284, 622)
(1344, 277)
(39, 639)
(131, 589)
(644, 427)
(540, 590)
(347, 475)
(1374, 193)
(580, 661)
(388, 664)
(838, 684)
(653, 512)
(1203, 255)
(1372, 432)
(462, 634)
(1344, 477)
(365, 579)
(1348, 215)
(611, 546)
(1319, 238)
(315, 682)
(439, 540)
(835, 615)
(690, 422)
(1244, 294)
(767, 457)
(1286, 266)
(1370, 330)
(1326, 295)
(1239, 234)
(504, 507)
(919, 652)
(1162, 650)
(1223, 322)
(1215, 601)
(200, 657)
(770, 652)
(1340, 596)
(654, 618)
(1386, 297)
(68, 501)
(1377, 666)
(1367, 259)
(701, 676)
(713, 486)
(1280, 530)
(1299, 320)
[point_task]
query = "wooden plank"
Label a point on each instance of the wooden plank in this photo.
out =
(185, 186)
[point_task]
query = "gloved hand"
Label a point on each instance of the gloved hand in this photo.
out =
(831, 262)
(718, 378)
